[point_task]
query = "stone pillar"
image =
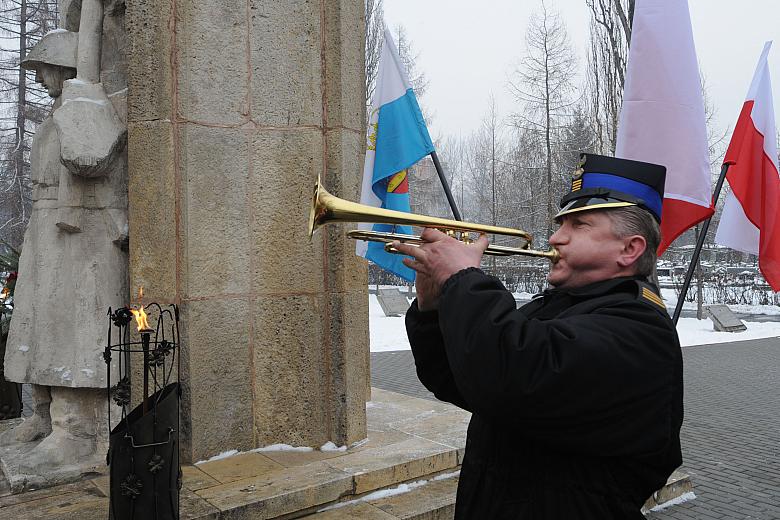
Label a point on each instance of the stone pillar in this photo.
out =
(235, 107)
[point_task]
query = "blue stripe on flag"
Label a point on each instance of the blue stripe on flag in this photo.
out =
(401, 138)
(376, 252)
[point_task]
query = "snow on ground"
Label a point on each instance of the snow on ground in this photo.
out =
(389, 333)
(700, 332)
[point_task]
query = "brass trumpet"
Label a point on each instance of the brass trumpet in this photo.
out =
(327, 208)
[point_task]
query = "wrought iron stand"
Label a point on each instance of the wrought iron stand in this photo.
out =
(143, 454)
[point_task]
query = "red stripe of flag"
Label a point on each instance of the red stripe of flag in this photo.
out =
(754, 181)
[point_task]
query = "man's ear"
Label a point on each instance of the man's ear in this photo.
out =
(633, 247)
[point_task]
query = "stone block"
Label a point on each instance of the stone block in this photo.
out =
(213, 61)
(103, 484)
(216, 360)
(393, 303)
(387, 408)
(345, 70)
(285, 166)
(87, 504)
(215, 171)
(344, 177)
(279, 493)
(84, 487)
(447, 428)
(152, 218)
(192, 507)
(291, 363)
(349, 365)
(723, 320)
(353, 511)
(677, 485)
(237, 467)
(396, 463)
(149, 75)
(435, 500)
(286, 61)
(195, 479)
(288, 458)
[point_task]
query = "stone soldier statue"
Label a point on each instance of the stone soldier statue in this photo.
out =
(73, 265)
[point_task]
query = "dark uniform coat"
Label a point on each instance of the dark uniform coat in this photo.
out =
(576, 397)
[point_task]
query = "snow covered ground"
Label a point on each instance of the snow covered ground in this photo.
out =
(390, 333)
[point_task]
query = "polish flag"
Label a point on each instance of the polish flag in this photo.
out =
(751, 219)
(662, 120)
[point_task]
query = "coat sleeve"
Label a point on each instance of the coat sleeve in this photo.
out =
(601, 382)
(430, 358)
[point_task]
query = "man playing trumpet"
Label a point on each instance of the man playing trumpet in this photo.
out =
(577, 396)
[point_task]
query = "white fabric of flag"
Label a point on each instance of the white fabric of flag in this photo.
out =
(397, 139)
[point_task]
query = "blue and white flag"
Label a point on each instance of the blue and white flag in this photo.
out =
(397, 138)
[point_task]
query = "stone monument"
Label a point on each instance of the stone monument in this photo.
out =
(233, 110)
(73, 265)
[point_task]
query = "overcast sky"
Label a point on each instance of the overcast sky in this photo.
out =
(468, 49)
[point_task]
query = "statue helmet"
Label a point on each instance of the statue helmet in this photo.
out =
(57, 47)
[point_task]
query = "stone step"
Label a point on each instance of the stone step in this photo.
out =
(412, 443)
(421, 500)
(435, 500)
(678, 485)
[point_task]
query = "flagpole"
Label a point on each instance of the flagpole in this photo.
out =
(446, 186)
(699, 245)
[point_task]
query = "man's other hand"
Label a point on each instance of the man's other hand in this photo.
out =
(436, 260)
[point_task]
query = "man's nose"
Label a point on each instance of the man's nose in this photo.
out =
(557, 238)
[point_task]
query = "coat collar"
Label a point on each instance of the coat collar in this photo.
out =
(595, 288)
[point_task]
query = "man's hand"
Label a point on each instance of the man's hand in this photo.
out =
(436, 260)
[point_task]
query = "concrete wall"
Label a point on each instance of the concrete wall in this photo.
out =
(234, 109)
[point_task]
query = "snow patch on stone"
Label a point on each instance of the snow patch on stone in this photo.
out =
(223, 455)
(376, 495)
(357, 444)
(445, 476)
(86, 100)
(685, 497)
(282, 447)
(329, 446)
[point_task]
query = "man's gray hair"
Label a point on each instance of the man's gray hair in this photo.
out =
(633, 220)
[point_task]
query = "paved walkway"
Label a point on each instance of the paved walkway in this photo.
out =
(731, 433)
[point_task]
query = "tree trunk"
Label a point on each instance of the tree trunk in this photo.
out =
(699, 281)
(21, 116)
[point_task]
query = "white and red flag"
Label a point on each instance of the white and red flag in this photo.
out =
(662, 120)
(751, 219)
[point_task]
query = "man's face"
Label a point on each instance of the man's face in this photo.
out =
(589, 250)
(52, 77)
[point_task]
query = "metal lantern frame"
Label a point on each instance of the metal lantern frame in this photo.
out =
(144, 448)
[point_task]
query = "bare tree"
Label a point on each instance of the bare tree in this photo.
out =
(543, 85)
(610, 35)
(375, 26)
(409, 59)
(23, 104)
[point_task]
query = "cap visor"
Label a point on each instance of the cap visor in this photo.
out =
(587, 204)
